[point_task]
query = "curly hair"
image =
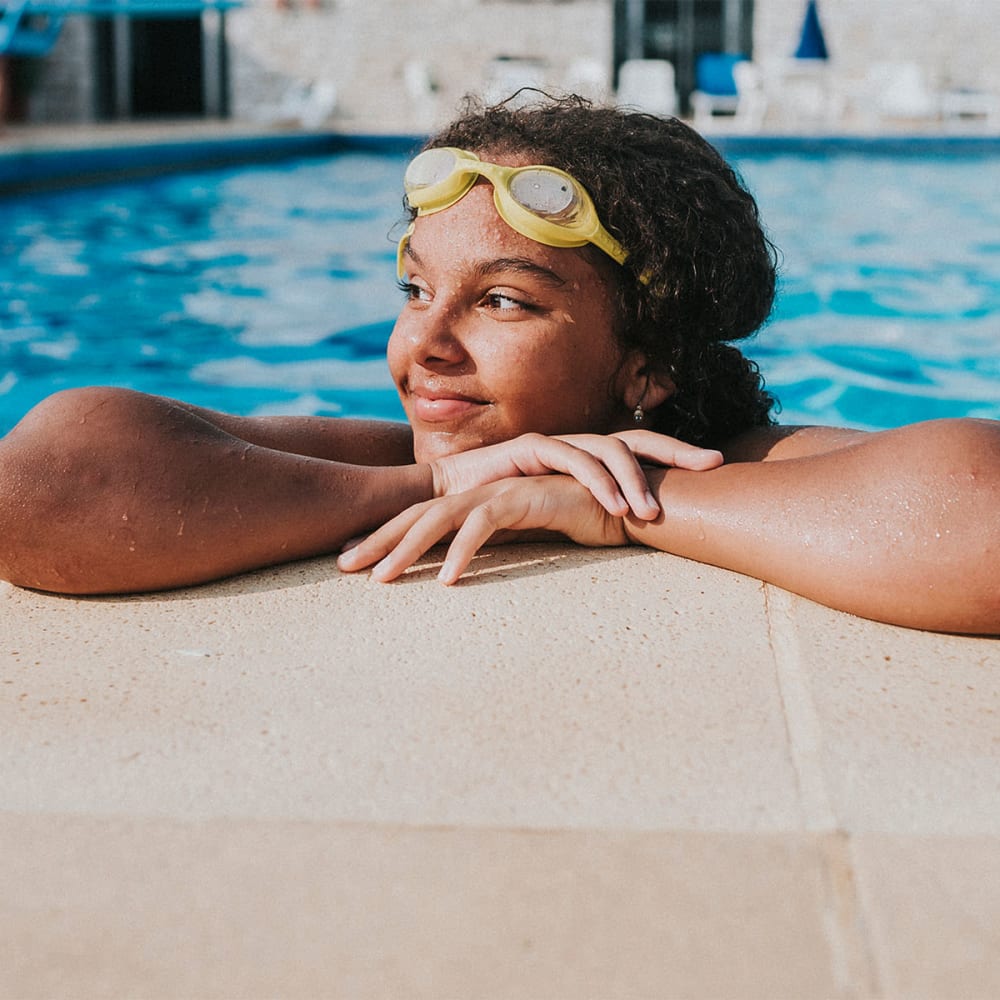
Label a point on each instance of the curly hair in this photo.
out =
(693, 234)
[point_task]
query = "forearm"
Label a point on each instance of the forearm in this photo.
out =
(358, 442)
(902, 526)
(138, 493)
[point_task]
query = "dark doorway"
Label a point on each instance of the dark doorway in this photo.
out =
(167, 69)
(680, 31)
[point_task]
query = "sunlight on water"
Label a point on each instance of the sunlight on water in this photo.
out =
(272, 289)
(889, 305)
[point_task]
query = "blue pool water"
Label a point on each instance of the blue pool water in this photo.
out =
(263, 289)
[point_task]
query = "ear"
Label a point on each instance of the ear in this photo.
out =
(639, 383)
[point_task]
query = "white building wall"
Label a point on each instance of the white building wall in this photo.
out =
(954, 42)
(405, 64)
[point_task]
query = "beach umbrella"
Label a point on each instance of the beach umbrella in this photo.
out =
(812, 45)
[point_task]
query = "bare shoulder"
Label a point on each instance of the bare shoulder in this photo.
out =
(958, 437)
(108, 413)
(777, 442)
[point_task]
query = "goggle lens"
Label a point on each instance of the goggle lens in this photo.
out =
(545, 194)
(429, 168)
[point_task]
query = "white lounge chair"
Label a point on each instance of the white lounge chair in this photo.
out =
(305, 104)
(506, 77)
(962, 105)
(648, 85)
(901, 90)
(751, 106)
(803, 93)
(588, 78)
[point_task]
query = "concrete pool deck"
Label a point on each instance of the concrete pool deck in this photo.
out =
(576, 774)
(608, 773)
(41, 156)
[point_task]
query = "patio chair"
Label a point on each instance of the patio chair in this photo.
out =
(421, 89)
(751, 106)
(306, 104)
(901, 90)
(588, 78)
(506, 76)
(715, 86)
(648, 85)
(962, 105)
(803, 93)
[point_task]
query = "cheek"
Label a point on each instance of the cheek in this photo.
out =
(395, 351)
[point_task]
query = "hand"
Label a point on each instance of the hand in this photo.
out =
(551, 503)
(607, 465)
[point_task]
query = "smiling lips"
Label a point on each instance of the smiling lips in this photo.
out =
(437, 406)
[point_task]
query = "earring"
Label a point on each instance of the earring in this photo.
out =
(638, 415)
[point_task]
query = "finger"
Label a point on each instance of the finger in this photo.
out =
(478, 528)
(367, 551)
(603, 464)
(539, 455)
(623, 464)
(617, 463)
(666, 450)
(432, 526)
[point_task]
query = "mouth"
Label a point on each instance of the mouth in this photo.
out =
(436, 406)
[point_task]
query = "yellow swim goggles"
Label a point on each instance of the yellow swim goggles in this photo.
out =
(545, 204)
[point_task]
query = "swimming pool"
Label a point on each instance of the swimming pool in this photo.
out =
(271, 288)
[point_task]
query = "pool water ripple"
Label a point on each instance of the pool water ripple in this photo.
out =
(272, 288)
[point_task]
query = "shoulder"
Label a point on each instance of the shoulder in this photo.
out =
(777, 442)
(959, 437)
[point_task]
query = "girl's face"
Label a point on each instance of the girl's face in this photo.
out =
(501, 335)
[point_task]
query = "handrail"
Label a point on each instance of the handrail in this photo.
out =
(20, 37)
(111, 8)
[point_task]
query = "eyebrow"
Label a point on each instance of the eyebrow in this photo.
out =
(501, 265)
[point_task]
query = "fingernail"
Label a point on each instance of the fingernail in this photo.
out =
(651, 500)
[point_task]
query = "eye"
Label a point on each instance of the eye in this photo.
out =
(413, 292)
(502, 302)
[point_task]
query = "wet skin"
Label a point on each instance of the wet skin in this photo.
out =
(500, 335)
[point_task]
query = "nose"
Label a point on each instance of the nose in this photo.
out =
(431, 337)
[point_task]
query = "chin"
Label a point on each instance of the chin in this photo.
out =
(431, 445)
(428, 447)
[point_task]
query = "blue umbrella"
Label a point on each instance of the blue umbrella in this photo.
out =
(812, 45)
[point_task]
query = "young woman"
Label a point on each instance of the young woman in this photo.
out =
(574, 280)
